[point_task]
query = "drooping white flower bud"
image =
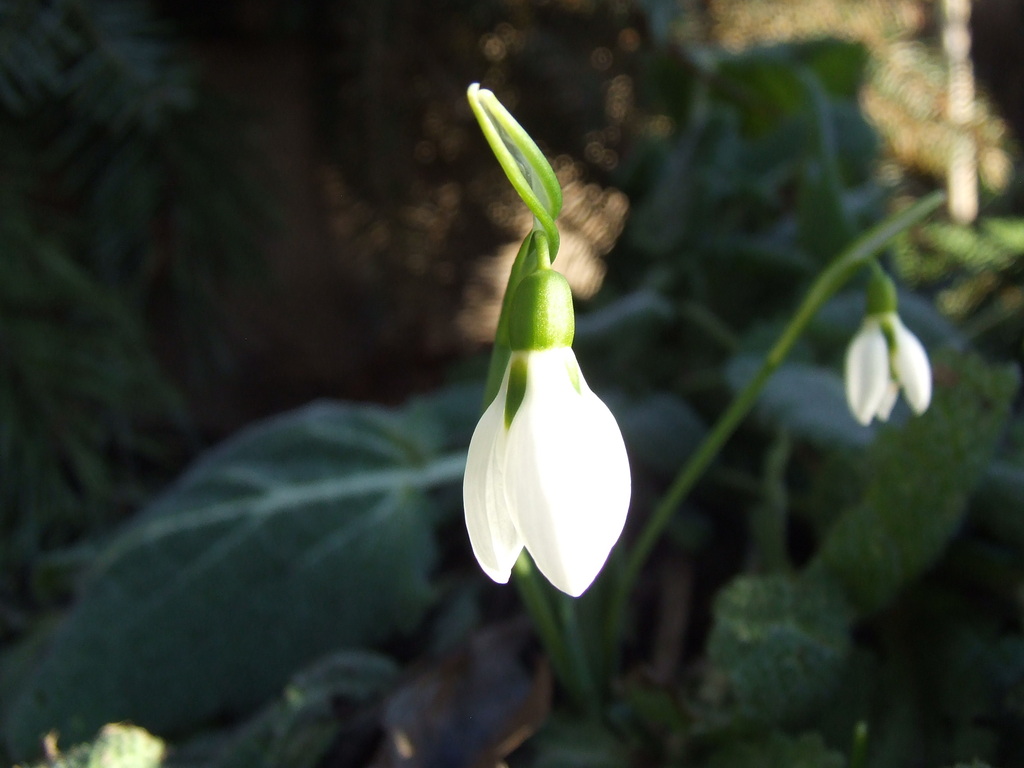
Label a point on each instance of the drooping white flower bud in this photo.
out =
(884, 357)
(547, 466)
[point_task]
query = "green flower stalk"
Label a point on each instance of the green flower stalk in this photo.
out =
(547, 468)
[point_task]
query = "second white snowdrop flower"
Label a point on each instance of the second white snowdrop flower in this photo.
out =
(884, 357)
(547, 467)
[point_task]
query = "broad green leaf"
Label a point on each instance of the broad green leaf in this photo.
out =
(766, 76)
(824, 225)
(971, 663)
(839, 64)
(807, 400)
(305, 533)
(625, 314)
(117, 746)
(778, 751)
(1000, 504)
(662, 430)
(919, 476)
(781, 642)
(934, 687)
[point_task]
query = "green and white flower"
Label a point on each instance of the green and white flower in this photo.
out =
(884, 357)
(547, 467)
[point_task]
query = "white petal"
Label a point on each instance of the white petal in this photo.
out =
(867, 372)
(496, 543)
(567, 474)
(913, 368)
(892, 394)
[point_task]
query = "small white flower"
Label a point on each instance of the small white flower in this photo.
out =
(555, 479)
(883, 357)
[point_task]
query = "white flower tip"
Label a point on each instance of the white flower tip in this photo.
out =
(892, 394)
(495, 546)
(920, 403)
(574, 587)
(863, 418)
(500, 576)
(555, 481)
(867, 372)
(914, 369)
(572, 567)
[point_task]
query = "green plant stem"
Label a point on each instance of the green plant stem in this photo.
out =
(768, 518)
(857, 254)
(710, 323)
(859, 749)
(585, 687)
(569, 666)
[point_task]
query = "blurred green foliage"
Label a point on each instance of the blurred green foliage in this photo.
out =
(976, 272)
(782, 643)
(299, 535)
(836, 585)
(123, 181)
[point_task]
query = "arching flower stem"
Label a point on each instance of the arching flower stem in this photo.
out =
(857, 255)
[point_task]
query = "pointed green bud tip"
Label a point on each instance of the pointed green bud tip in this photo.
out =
(881, 293)
(541, 315)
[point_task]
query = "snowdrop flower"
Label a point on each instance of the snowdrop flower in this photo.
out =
(883, 357)
(547, 467)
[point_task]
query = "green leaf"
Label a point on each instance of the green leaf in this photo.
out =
(969, 665)
(781, 642)
(524, 164)
(999, 505)
(807, 400)
(839, 64)
(622, 316)
(768, 79)
(117, 746)
(778, 751)
(824, 225)
(662, 430)
(919, 476)
(308, 532)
